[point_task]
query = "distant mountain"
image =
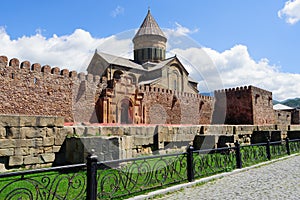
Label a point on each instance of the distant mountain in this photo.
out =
(289, 102)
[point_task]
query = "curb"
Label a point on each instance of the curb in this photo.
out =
(176, 188)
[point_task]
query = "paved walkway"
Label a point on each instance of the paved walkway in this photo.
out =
(278, 180)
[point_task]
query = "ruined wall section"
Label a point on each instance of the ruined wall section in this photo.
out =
(86, 90)
(35, 90)
(163, 106)
(263, 112)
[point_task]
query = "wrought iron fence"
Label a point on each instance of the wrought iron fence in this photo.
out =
(67, 182)
(209, 162)
(252, 154)
(294, 146)
(124, 177)
(120, 178)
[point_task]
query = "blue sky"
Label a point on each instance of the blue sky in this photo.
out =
(237, 35)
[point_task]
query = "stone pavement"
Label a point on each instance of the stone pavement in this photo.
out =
(278, 180)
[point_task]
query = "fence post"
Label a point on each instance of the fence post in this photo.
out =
(238, 155)
(91, 187)
(287, 143)
(268, 149)
(190, 160)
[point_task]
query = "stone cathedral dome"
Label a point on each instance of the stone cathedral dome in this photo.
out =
(149, 42)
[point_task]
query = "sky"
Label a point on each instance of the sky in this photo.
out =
(224, 43)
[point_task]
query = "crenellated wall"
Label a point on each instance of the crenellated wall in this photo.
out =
(35, 89)
(41, 90)
(243, 105)
(163, 106)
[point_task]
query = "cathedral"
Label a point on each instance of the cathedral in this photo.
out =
(121, 99)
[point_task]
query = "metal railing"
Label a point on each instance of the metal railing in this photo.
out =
(126, 177)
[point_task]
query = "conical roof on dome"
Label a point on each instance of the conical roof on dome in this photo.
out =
(149, 27)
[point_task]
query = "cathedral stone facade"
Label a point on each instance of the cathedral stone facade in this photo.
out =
(122, 99)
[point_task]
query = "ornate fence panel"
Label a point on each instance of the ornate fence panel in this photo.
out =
(294, 146)
(212, 161)
(278, 149)
(252, 154)
(131, 176)
(68, 182)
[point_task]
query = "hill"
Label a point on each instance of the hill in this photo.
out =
(289, 102)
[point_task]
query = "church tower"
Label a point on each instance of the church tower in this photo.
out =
(149, 42)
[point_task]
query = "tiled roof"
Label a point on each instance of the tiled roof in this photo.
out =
(149, 27)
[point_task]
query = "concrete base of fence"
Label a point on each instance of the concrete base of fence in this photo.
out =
(203, 180)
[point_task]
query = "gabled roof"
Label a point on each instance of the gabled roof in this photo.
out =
(116, 60)
(161, 64)
(282, 107)
(149, 27)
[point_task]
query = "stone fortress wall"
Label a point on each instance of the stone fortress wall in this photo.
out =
(175, 107)
(244, 105)
(41, 90)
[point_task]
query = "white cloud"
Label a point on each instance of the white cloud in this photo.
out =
(117, 11)
(214, 70)
(67, 51)
(181, 30)
(236, 68)
(291, 11)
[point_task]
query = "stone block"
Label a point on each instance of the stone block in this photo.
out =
(38, 142)
(205, 142)
(32, 132)
(127, 142)
(48, 149)
(29, 160)
(56, 149)
(61, 134)
(23, 151)
(7, 143)
(30, 142)
(2, 132)
(293, 134)
(14, 132)
(48, 141)
(295, 128)
(15, 160)
(79, 131)
(143, 140)
(9, 120)
(44, 121)
(7, 152)
(29, 121)
(224, 140)
(59, 122)
(92, 131)
(47, 157)
(48, 132)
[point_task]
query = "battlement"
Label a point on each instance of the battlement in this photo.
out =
(158, 90)
(37, 67)
(241, 89)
